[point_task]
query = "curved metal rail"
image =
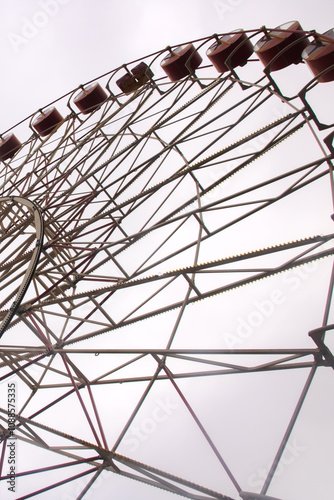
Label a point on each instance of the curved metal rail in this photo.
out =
(39, 226)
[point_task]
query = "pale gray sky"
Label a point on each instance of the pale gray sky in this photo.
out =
(49, 47)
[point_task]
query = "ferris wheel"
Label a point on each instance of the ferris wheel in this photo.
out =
(127, 204)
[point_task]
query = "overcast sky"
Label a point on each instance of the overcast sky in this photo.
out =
(49, 47)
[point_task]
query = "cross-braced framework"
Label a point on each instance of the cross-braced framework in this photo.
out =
(114, 228)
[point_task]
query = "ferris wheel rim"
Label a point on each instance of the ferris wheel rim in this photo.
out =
(72, 252)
